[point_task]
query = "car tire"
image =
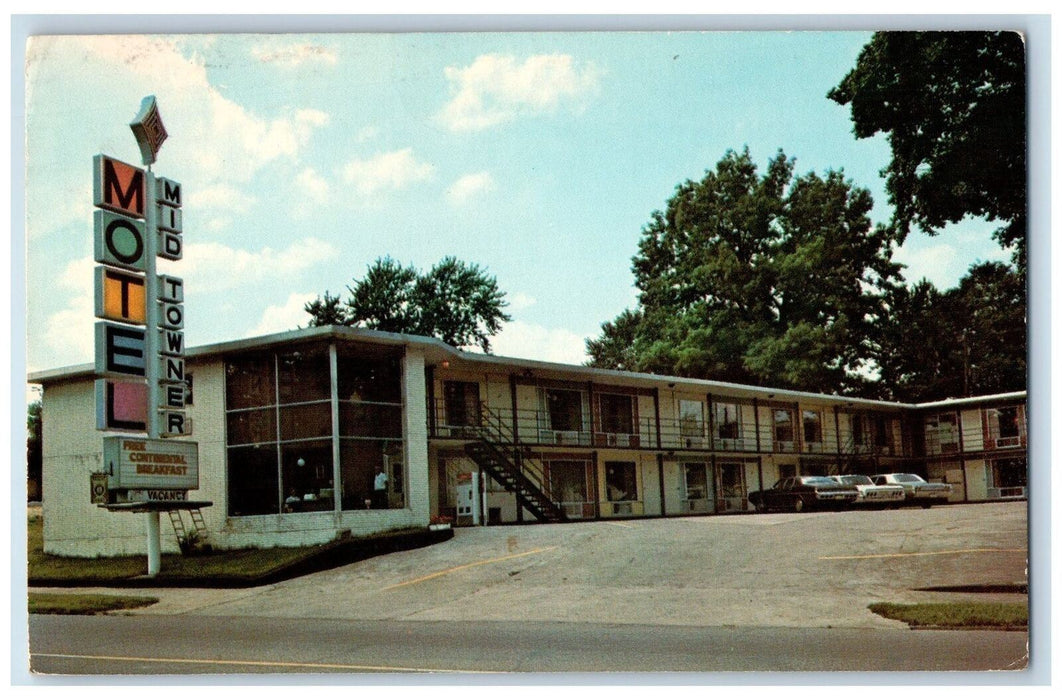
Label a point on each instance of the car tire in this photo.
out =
(927, 505)
(798, 505)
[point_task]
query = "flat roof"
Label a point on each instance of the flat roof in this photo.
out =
(437, 351)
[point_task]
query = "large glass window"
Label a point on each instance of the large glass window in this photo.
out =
(942, 433)
(281, 439)
(1004, 425)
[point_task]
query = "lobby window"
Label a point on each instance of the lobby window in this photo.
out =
(281, 439)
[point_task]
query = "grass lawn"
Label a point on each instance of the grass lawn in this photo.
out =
(995, 615)
(236, 567)
(83, 603)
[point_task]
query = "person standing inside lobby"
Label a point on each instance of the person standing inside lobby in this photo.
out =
(379, 489)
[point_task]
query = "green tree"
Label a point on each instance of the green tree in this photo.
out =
(34, 454)
(457, 302)
(966, 341)
(953, 106)
(757, 279)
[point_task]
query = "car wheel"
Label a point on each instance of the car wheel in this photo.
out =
(927, 505)
(798, 504)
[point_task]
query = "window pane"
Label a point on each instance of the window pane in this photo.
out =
(783, 425)
(691, 418)
(253, 487)
(567, 481)
(462, 403)
(812, 426)
(248, 427)
(726, 421)
(307, 476)
(312, 420)
(249, 381)
(359, 460)
(370, 420)
(369, 378)
(304, 374)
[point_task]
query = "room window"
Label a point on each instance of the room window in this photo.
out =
(727, 426)
(564, 409)
(462, 403)
(812, 421)
(617, 413)
(1004, 426)
(621, 483)
(783, 426)
(691, 418)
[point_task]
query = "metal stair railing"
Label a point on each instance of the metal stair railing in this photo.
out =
(526, 480)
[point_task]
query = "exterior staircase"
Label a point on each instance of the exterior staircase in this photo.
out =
(494, 450)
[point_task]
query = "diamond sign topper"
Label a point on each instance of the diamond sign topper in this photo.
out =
(148, 130)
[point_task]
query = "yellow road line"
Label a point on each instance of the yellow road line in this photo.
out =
(236, 662)
(922, 554)
(466, 566)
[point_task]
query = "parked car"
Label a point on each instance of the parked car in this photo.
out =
(801, 492)
(916, 489)
(871, 494)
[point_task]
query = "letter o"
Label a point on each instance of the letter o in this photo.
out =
(138, 250)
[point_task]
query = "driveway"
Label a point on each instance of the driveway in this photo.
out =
(760, 570)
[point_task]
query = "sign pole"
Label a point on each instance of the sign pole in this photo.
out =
(151, 347)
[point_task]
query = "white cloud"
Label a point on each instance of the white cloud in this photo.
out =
(520, 300)
(68, 333)
(220, 196)
(294, 55)
(386, 171)
(313, 190)
(534, 342)
(212, 266)
(495, 89)
(467, 186)
(284, 317)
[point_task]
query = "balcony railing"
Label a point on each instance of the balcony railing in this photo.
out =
(539, 428)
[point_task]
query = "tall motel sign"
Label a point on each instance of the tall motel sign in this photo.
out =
(139, 338)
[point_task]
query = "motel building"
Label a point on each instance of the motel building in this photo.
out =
(293, 428)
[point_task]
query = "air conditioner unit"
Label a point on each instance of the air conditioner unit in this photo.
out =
(1008, 441)
(566, 437)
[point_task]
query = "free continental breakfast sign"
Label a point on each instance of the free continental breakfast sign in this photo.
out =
(139, 463)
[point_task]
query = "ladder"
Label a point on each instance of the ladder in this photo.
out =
(198, 524)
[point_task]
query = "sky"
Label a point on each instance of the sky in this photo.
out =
(538, 156)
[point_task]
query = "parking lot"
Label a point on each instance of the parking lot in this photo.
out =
(813, 569)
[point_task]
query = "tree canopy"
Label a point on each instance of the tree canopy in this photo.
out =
(953, 106)
(455, 301)
(757, 278)
(970, 340)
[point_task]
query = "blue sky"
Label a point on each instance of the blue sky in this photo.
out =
(303, 158)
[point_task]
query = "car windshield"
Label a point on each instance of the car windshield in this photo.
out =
(818, 481)
(855, 480)
(907, 478)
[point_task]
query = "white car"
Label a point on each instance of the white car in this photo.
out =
(871, 494)
(917, 489)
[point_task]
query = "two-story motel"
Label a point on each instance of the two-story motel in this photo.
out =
(292, 428)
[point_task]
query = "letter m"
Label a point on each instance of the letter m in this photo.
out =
(119, 187)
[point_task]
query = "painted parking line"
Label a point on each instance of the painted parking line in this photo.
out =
(922, 554)
(629, 527)
(466, 566)
(272, 664)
